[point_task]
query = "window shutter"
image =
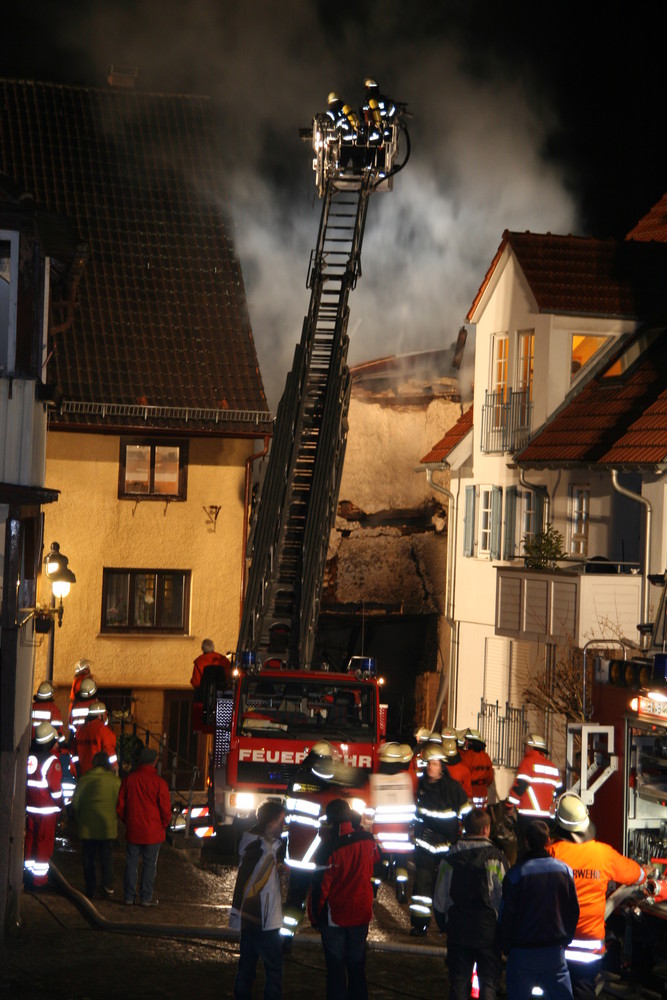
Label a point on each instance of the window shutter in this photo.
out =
(539, 511)
(469, 522)
(510, 522)
(496, 522)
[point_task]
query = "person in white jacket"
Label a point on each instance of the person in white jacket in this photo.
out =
(257, 905)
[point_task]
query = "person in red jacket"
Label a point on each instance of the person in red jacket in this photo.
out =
(480, 765)
(43, 802)
(340, 904)
(44, 709)
(144, 805)
(456, 767)
(536, 786)
(94, 736)
(208, 658)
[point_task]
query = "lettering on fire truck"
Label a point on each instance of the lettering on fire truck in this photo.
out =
(295, 757)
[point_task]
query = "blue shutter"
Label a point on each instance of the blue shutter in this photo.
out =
(509, 543)
(469, 522)
(496, 520)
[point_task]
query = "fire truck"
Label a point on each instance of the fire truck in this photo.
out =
(618, 760)
(283, 702)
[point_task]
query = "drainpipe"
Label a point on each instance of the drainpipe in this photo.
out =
(246, 505)
(452, 521)
(543, 489)
(638, 498)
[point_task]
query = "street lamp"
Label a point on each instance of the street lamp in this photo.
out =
(60, 577)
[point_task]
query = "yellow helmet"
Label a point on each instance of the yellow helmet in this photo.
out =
(333, 97)
(572, 815)
(370, 82)
(449, 747)
(536, 741)
(433, 752)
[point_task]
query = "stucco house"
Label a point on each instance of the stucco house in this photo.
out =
(557, 317)
(157, 403)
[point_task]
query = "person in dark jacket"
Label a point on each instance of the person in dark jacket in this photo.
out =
(144, 805)
(94, 807)
(537, 920)
(465, 902)
(340, 904)
(441, 806)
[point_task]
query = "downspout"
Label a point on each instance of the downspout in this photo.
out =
(246, 505)
(542, 489)
(452, 516)
(638, 498)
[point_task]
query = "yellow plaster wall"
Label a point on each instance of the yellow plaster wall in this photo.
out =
(95, 529)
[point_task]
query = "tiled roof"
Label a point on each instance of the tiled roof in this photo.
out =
(454, 435)
(573, 275)
(654, 224)
(615, 420)
(162, 319)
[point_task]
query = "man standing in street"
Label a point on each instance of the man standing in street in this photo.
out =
(595, 865)
(537, 918)
(94, 808)
(465, 902)
(144, 805)
(340, 905)
(256, 904)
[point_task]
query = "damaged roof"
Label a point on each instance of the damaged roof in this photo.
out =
(161, 333)
(439, 452)
(579, 276)
(618, 419)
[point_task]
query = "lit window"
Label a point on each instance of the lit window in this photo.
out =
(584, 348)
(580, 502)
(152, 470)
(139, 600)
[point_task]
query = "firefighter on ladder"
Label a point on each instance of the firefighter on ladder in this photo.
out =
(43, 803)
(441, 805)
(536, 786)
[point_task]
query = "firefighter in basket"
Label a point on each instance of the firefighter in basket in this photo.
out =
(441, 805)
(323, 776)
(392, 809)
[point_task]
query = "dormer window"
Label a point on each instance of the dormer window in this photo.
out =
(584, 348)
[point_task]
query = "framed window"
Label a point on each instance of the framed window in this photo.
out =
(584, 349)
(488, 523)
(580, 504)
(526, 355)
(145, 600)
(499, 363)
(152, 470)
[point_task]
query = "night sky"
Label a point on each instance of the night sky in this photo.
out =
(524, 116)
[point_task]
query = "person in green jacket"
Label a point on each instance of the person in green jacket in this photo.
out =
(94, 807)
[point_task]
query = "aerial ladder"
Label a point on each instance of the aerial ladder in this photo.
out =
(297, 504)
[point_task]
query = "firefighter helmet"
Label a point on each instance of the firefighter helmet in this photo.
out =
(449, 748)
(461, 737)
(390, 753)
(474, 734)
(449, 733)
(406, 753)
(435, 737)
(572, 815)
(333, 97)
(45, 734)
(322, 748)
(81, 666)
(433, 752)
(88, 688)
(422, 734)
(45, 691)
(370, 82)
(536, 741)
(97, 708)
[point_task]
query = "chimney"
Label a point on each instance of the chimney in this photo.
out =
(123, 77)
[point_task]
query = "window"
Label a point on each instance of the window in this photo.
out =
(488, 525)
(529, 523)
(499, 378)
(153, 470)
(584, 348)
(8, 292)
(145, 600)
(580, 502)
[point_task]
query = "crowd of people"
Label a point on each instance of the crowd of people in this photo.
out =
(541, 906)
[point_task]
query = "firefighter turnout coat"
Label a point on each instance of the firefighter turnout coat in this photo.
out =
(43, 802)
(94, 736)
(536, 785)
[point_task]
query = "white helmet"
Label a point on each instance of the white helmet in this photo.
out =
(322, 748)
(536, 741)
(422, 734)
(45, 691)
(88, 688)
(97, 708)
(45, 734)
(81, 666)
(572, 815)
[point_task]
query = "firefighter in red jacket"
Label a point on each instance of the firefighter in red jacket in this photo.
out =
(82, 672)
(144, 805)
(94, 736)
(536, 786)
(340, 904)
(480, 766)
(456, 767)
(44, 709)
(42, 803)
(209, 667)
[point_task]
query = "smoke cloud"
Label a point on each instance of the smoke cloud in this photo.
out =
(477, 165)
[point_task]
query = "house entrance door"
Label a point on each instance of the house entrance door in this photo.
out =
(182, 743)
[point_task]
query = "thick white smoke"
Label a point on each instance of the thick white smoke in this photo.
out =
(476, 166)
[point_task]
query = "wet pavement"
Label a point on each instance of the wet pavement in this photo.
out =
(68, 948)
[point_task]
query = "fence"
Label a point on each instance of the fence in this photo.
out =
(504, 734)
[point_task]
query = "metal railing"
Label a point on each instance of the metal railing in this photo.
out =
(132, 738)
(504, 734)
(506, 420)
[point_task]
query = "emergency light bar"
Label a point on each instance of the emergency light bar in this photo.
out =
(363, 666)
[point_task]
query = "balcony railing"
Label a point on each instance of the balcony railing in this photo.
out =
(506, 420)
(504, 734)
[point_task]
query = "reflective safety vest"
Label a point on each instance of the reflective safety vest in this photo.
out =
(535, 786)
(47, 711)
(44, 787)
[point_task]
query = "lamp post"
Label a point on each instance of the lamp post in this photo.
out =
(61, 578)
